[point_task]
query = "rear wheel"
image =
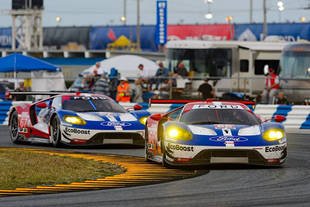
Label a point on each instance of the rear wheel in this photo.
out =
(55, 137)
(14, 134)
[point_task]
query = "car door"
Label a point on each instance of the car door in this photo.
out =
(39, 113)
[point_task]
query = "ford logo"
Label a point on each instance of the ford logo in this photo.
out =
(112, 124)
(224, 139)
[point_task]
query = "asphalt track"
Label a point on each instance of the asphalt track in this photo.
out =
(222, 186)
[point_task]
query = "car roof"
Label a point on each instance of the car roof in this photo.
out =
(83, 95)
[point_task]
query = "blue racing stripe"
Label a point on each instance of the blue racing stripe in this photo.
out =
(306, 124)
(4, 109)
(282, 110)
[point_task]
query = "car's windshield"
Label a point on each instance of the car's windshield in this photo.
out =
(219, 116)
(91, 104)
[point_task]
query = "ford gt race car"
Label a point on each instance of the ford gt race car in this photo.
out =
(211, 132)
(77, 119)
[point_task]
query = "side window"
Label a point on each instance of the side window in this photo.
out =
(38, 113)
(259, 65)
(244, 66)
(57, 103)
(174, 114)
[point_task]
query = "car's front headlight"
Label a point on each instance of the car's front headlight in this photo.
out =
(143, 120)
(178, 133)
(74, 120)
(273, 134)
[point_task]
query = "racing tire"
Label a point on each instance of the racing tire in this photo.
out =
(146, 155)
(164, 163)
(55, 137)
(14, 134)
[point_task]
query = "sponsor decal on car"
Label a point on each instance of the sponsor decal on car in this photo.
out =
(227, 132)
(114, 124)
(180, 147)
(229, 143)
(215, 106)
(224, 139)
(89, 98)
(224, 126)
(275, 148)
(76, 131)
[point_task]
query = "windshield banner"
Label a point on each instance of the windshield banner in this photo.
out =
(201, 32)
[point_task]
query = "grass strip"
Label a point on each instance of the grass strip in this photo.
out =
(27, 169)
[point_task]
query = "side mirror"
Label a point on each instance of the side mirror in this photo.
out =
(137, 107)
(266, 69)
(156, 117)
(279, 118)
(41, 105)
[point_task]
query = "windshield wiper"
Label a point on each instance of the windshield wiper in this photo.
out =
(92, 110)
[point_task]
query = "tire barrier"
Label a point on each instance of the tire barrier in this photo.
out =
(297, 117)
(138, 172)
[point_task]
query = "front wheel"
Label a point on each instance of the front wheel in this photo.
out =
(55, 136)
(163, 149)
(14, 134)
(146, 146)
(164, 163)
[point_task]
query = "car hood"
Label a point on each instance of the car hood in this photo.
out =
(227, 130)
(107, 117)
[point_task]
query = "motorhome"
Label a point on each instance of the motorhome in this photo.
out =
(234, 65)
(295, 72)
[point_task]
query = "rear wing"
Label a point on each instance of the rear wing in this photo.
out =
(43, 93)
(171, 101)
(37, 95)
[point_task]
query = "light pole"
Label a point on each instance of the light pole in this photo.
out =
(138, 25)
(124, 17)
(58, 20)
(251, 11)
(209, 15)
(265, 30)
(229, 20)
(280, 8)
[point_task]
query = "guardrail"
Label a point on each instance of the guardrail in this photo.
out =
(297, 117)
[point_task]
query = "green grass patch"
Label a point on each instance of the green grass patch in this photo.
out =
(27, 169)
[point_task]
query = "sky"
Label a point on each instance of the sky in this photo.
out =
(108, 12)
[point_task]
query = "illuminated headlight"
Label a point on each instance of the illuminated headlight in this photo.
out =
(74, 120)
(273, 134)
(178, 133)
(143, 120)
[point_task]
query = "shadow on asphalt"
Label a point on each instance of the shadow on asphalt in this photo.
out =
(229, 167)
(110, 146)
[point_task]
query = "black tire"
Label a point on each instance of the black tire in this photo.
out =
(164, 163)
(14, 134)
(55, 137)
(146, 156)
(163, 149)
